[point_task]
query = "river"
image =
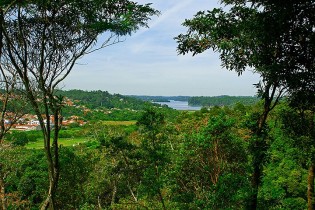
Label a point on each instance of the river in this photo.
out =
(179, 105)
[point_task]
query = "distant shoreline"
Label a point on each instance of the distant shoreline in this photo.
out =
(180, 105)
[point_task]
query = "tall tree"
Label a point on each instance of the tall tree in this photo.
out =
(211, 165)
(12, 103)
(302, 100)
(151, 124)
(42, 40)
(273, 38)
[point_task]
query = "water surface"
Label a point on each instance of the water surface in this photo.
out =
(180, 105)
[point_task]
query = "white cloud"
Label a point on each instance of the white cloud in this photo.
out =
(172, 12)
(170, 16)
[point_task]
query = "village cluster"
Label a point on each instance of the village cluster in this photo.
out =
(28, 122)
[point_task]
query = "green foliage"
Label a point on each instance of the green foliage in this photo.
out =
(103, 99)
(20, 138)
(75, 168)
(26, 176)
(299, 126)
(199, 160)
(212, 166)
(151, 121)
(284, 182)
(110, 115)
(222, 100)
(253, 34)
(273, 38)
(70, 133)
(41, 42)
(155, 153)
(101, 105)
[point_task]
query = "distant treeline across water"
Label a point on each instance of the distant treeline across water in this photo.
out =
(204, 101)
(162, 98)
(221, 100)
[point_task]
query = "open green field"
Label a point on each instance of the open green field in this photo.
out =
(67, 140)
(62, 141)
(119, 122)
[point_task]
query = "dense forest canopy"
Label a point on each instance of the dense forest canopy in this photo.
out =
(101, 105)
(99, 99)
(199, 161)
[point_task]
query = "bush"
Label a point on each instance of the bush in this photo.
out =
(18, 138)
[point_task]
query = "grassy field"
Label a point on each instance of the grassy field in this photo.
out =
(38, 144)
(62, 141)
(119, 122)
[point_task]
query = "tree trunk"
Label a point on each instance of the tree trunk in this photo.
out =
(2, 194)
(52, 160)
(114, 193)
(258, 151)
(255, 184)
(310, 188)
(49, 202)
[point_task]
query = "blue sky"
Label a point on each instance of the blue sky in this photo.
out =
(147, 63)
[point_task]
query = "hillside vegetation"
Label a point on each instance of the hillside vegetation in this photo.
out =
(160, 161)
(103, 99)
(101, 105)
(221, 100)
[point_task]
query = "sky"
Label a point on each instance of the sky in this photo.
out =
(147, 63)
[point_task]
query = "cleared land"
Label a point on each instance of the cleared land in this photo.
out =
(62, 141)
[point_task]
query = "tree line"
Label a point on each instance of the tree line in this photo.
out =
(103, 99)
(209, 101)
(162, 98)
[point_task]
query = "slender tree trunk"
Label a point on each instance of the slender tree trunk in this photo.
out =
(310, 188)
(2, 194)
(114, 194)
(128, 184)
(99, 203)
(258, 152)
(311, 171)
(256, 176)
(131, 192)
(53, 183)
(255, 184)
(49, 202)
(1, 46)
(52, 160)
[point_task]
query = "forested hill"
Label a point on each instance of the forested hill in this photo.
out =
(221, 100)
(103, 99)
